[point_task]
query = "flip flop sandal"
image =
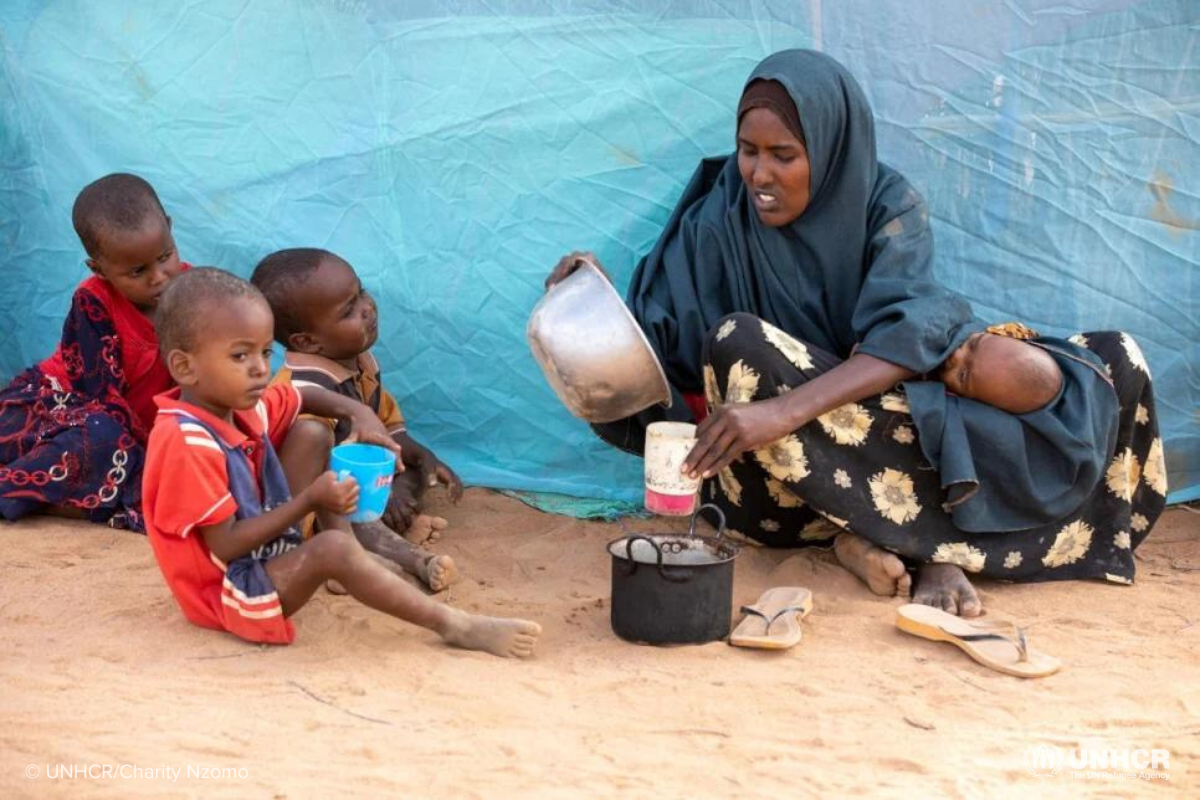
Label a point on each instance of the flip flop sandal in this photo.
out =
(773, 623)
(1002, 646)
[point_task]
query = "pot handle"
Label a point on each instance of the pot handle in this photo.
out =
(720, 519)
(663, 573)
(633, 565)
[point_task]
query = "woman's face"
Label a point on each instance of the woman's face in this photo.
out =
(774, 166)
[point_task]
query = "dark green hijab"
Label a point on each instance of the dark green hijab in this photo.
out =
(855, 267)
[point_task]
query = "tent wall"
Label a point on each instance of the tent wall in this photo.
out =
(452, 151)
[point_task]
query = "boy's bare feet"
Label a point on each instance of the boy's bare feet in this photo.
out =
(881, 571)
(437, 572)
(425, 528)
(945, 586)
(509, 638)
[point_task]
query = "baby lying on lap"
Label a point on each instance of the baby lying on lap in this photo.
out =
(999, 367)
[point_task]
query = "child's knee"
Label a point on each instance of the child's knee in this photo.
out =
(726, 341)
(333, 549)
(309, 436)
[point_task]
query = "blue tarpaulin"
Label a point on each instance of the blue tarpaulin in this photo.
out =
(453, 150)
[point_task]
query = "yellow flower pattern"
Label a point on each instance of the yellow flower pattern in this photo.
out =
(848, 424)
(892, 491)
(1135, 353)
(731, 487)
(792, 350)
(1156, 468)
(818, 530)
(782, 496)
(1070, 544)
(712, 392)
(1123, 474)
(784, 459)
(837, 521)
(742, 383)
(960, 554)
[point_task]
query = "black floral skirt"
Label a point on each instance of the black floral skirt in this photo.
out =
(861, 468)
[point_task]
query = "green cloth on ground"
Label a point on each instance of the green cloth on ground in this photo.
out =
(579, 507)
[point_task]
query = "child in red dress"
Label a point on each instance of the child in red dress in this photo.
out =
(73, 428)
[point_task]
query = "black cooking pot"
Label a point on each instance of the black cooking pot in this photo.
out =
(671, 589)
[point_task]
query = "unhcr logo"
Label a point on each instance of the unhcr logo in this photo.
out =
(1046, 761)
(1043, 760)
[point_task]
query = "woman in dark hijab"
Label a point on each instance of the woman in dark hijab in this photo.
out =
(792, 303)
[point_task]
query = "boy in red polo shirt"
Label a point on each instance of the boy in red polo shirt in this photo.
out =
(218, 512)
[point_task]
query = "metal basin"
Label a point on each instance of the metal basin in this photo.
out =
(592, 350)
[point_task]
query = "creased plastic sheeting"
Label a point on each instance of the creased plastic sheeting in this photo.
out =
(452, 151)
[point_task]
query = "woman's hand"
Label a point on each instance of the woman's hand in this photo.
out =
(571, 262)
(731, 430)
(735, 428)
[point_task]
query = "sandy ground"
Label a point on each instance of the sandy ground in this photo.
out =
(98, 668)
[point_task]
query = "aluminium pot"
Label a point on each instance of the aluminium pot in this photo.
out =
(673, 589)
(593, 352)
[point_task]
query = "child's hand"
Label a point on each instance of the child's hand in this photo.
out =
(331, 494)
(401, 508)
(366, 428)
(447, 477)
(433, 471)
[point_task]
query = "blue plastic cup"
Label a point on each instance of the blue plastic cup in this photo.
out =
(373, 467)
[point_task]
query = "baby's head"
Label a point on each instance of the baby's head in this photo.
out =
(127, 236)
(215, 332)
(320, 305)
(1010, 374)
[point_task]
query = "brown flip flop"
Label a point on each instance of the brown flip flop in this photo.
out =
(773, 623)
(1002, 646)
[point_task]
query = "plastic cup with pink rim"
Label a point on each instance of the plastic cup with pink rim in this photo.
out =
(668, 491)
(373, 467)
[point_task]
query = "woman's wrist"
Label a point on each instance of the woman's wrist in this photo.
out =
(797, 408)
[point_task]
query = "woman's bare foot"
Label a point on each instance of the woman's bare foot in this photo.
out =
(945, 586)
(425, 528)
(437, 572)
(881, 571)
(508, 638)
